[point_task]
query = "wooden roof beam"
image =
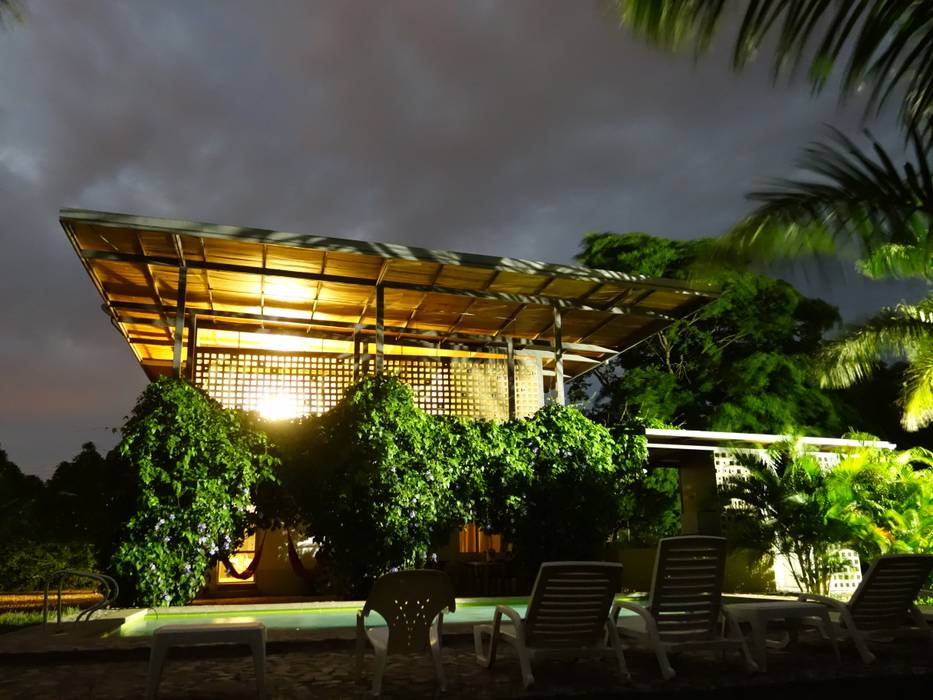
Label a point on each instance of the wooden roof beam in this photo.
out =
(563, 304)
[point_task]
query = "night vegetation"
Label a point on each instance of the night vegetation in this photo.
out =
(874, 501)
(742, 363)
(851, 201)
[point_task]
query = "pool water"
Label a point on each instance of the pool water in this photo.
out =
(307, 618)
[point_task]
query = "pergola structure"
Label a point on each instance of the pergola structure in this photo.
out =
(195, 299)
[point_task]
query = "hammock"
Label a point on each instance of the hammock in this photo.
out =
(250, 570)
(295, 560)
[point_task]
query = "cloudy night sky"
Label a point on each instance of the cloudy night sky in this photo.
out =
(504, 128)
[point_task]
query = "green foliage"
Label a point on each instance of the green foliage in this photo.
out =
(17, 619)
(851, 200)
(789, 504)
(28, 563)
(195, 467)
(383, 480)
(20, 501)
(555, 489)
(742, 363)
(876, 501)
(383, 484)
(88, 500)
(884, 44)
(886, 500)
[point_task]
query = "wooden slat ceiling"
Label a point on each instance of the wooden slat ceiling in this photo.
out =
(268, 283)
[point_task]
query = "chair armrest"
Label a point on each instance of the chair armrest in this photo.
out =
(831, 603)
(633, 607)
(510, 613)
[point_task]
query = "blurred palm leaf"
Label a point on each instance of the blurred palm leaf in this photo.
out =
(888, 43)
(850, 201)
(10, 11)
(905, 331)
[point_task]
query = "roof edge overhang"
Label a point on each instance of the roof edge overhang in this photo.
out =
(385, 250)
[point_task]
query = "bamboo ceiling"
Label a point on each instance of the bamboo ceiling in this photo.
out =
(253, 288)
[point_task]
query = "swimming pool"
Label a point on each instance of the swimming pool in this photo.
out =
(311, 616)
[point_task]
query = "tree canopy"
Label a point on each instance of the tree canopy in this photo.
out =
(742, 363)
(849, 200)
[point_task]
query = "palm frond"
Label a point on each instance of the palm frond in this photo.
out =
(851, 200)
(889, 43)
(917, 396)
(10, 11)
(672, 24)
(900, 332)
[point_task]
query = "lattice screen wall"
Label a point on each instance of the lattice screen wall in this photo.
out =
(728, 466)
(299, 384)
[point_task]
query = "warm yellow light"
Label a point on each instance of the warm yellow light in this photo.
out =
(280, 406)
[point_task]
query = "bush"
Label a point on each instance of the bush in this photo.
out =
(27, 564)
(195, 467)
(651, 496)
(386, 481)
(555, 485)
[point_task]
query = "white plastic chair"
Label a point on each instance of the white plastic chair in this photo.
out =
(567, 616)
(413, 605)
(883, 604)
(685, 607)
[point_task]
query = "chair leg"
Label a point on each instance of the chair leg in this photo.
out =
(358, 656)
(436, 657)
(524, 662)
(667, 671)
(859, 640)
(612, 635)
(156, 661)
(485, 660)
(759, 632)
(379, 667)
(259, 662)
(857, 637)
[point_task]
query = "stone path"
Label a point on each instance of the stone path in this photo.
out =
(325, 670)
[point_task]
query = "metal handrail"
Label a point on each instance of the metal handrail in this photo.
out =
(111, 591)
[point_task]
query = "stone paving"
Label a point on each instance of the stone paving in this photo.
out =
(325, 670)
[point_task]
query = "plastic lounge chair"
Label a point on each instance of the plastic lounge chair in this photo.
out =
(410, 602)
(685, 610)
(883, 604)
(567, 616)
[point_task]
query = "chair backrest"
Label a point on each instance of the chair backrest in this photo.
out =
(686, 589)
(883, 599)
(570, 603)
(409, 601)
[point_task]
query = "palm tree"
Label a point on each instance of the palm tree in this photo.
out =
(852, 201)
(888, 43)
(785, 491)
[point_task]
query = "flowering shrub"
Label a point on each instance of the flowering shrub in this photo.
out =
(196, 466)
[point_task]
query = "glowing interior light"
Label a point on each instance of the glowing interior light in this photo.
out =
(281, 406)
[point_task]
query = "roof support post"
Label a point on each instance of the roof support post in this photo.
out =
(510, 367)
(179, 320)
(356, 356)
(380, 328)
(192, 349)
(558, 360)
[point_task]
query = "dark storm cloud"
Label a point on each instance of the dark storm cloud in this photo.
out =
(506, 128)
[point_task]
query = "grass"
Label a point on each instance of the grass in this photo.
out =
(17, 619)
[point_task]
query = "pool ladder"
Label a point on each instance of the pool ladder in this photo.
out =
(111, 591)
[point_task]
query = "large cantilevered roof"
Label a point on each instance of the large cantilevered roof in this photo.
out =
(249, 286)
